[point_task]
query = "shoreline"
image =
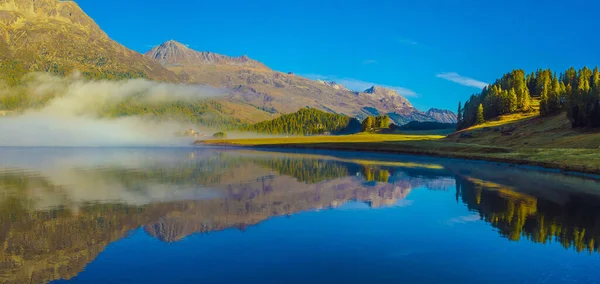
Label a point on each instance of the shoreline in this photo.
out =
(409, 148)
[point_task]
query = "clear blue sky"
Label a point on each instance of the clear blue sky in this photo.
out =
(412, 45)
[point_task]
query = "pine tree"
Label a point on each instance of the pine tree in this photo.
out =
(480, 118)
(554, 104)
(384, 122)
(512, 103)
(368, 123)
(459, 116)
(526, 101)
(544, 110)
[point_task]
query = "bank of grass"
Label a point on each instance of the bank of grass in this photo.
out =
(355, 138)
(568, 159)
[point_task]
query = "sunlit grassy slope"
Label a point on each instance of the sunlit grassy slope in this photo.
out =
(522, 131)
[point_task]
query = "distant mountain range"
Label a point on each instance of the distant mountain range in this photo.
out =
(58, 37)
(276, 92)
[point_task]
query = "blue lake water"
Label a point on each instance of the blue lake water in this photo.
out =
(204, 215)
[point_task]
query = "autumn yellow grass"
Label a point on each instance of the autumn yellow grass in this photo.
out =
(355, 138)
(546, 142)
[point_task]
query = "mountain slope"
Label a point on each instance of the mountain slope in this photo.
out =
(252, 83)
(172, 53)
(442, 115)
(58, 37)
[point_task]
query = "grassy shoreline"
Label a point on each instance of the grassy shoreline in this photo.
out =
(565, 159)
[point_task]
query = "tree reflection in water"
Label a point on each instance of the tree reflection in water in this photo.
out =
(53, 223)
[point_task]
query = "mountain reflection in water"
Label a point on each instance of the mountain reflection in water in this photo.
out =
(60, 208)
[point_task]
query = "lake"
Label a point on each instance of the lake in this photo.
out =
(209, 215)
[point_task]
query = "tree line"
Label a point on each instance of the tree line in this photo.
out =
(376, 123)
(573, 225)
(575, 91)
(307, 121)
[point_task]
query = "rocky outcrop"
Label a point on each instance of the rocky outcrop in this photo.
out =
(442, 115)
(333, 85)
(172, 53)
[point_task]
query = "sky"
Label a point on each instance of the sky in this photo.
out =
(436, 53)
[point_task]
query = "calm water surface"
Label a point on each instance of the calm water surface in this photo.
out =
(194, 215)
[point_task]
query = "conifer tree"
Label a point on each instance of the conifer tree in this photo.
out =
(384, 122)
(368, 123)
(459, 116)
(480, 118)
(526, 100)
(512, 101)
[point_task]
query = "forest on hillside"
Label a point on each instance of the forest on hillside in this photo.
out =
(307, 121)
(575, 91)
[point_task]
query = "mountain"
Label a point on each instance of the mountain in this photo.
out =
(272, 93)
(172, 53)
(442, 115)
(58, 37)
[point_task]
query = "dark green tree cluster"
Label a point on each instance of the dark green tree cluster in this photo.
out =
(575, 91)
(582, 93)
(307, 121)
(507, 95)
(573, 224)
(376, 123)
(307, 170)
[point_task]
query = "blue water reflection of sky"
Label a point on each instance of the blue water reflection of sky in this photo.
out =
(430, 239)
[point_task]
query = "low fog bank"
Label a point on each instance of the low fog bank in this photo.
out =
(73, 177)
(70, 117)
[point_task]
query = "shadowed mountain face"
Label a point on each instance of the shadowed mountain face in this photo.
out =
(58, 37)
(60, 209)
(272, 92)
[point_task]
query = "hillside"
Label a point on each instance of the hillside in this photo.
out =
(272, 92)
(58, 37)
(307, 121)
(529, 130)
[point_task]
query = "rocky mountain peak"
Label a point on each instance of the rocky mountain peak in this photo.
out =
(173, 53)
(376, 90)
(333, 85)
(389, 96)
(442, 115)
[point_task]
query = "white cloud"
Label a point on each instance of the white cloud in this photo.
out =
(360, 85)
(407, 41)
(465, 81)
